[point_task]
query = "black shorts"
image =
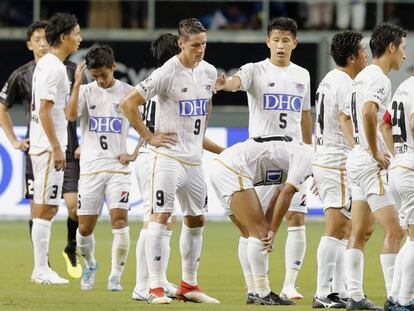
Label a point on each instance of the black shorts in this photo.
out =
(70, 179)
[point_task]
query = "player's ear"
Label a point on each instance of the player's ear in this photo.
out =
(391, 47)
(29, 45)
(113, 66)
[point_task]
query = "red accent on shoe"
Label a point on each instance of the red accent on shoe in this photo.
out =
(186, 288)
(158, 291)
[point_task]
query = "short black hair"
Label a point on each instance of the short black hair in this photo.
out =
(345, 44)
(164, 47)
(190, 26)
(284, 24)
(33, 27)
(99, 56)
(384, 34)
(59, 23)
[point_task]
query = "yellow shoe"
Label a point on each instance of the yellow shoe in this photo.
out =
(73, 266)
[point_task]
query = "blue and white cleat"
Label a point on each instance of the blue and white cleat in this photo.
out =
(88, 277)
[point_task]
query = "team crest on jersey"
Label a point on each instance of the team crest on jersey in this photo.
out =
(193, 107)
(284, 102)
(273, 177)
(116, 108)
(124, 197)
(300, 87)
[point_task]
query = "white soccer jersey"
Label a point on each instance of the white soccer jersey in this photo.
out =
(276, 97)
(332, 98)
(267, 160)
(50, 82)
(371, 84)
(183, 99)
(400, 109)
(104, 128)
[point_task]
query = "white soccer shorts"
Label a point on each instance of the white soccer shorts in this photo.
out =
(171, 178)
(333, 187)
(94, 188)
(47, 181)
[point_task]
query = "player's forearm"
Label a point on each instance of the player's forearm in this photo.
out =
(47, 124)
(386, 131)
(370, 126)
(7, 124)
(232, 84)
(346, 126)
(211, 146)
(71, 109)
(131, 111)
(281, 207)
(306, 126)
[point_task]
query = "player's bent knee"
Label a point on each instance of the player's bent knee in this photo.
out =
(85, 229)
(295, 219)
(194, 221)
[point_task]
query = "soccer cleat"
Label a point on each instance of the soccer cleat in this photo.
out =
(140, 295)
(364, 304)
(332, 301)
(170, 290)
(291, 293)
(187, 292)
(250, 300)
(48, 277)
(409, 307)
(273, 300)
(114, 284)
(73, 266)
(389, 304)
(88, 277)
(157, 296)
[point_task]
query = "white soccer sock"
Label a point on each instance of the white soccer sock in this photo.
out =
(387, 263)
(244, 263)
(258, 260)
(191, 241)
(338, 282)
(153, 252)
(326, 257)
(407, 279)
(396, 278)
(354, 270)
(141, 274)
(294, 253)
(120, 249)
(166, 237)
(40, 239)
(86, 245)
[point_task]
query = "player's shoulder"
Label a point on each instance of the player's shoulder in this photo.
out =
(70, 65)
(124, 86)
(298, 69)
(336, 79)
(22, 71)
(405, 89)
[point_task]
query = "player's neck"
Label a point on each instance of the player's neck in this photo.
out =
(186, 62)
(382, 62)
(59, 53)
(280, 62)
(349, 71)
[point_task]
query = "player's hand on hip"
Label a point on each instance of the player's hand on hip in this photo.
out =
(59, 159)
(163, 139)
(220, 82)
(382, 159)
(268, 241)
(125, 158)
(79, 71)
(22, 145)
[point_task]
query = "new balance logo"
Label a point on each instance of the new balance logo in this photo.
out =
(184, 90)
(193, 107)
(157, 258)
(92, 107)
(105, 124)
(283, 102)
(271, 84)
(297, 262)
(124, 197)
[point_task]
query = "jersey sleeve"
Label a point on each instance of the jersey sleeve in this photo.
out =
(10, 91)
(246, 73)
(49, 87)
(307, 98)
(344, 98)
(156, 84)
(377, 92)
(300, 165)
(82, 100)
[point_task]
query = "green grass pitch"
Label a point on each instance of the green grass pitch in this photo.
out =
(219, 274)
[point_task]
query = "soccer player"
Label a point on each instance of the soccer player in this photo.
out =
(278, 93)
(184, 86)
(18, 90)
(48, 136)
(368, 161)
(162, 49)
(104, 132)
(333, 141)
(399, 115)
(263, 160)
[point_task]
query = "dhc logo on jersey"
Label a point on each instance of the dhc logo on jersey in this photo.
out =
(193, 107)
(284, 102)
(105, 124)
